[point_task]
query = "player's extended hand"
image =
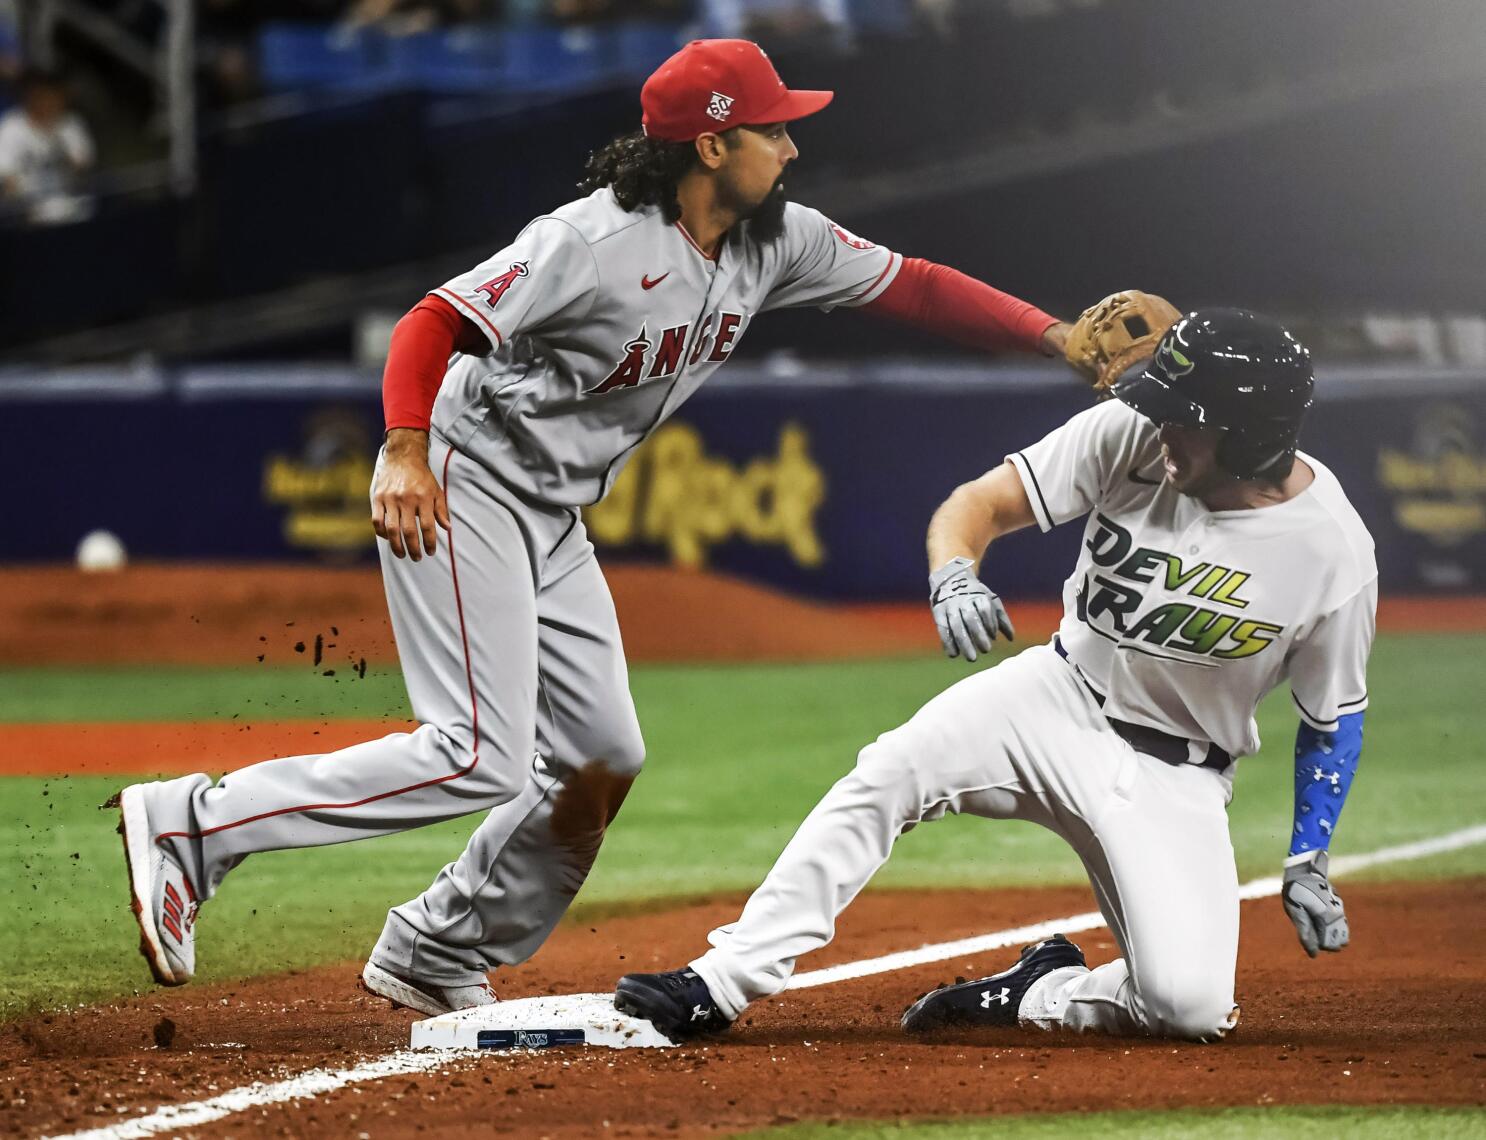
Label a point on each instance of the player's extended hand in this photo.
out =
(406, 499)
(967, 613)
(1314, 908)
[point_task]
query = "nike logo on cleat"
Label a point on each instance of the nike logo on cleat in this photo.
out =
(647, 284)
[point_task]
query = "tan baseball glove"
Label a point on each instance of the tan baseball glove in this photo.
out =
(1117, 332)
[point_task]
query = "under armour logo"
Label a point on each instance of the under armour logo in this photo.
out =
(698, 1012)
(986, 997)
(720, 106)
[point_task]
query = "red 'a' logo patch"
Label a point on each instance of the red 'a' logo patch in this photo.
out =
(628, 372)
(496, 287)
(851, 239)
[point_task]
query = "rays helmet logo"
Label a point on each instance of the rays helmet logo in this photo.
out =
(1169, 357)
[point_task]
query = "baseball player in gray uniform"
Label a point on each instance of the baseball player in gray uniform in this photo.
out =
(1217, 562)
(514, 394)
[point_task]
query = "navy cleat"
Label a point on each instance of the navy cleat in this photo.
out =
(676, 1002)
(996, 1000)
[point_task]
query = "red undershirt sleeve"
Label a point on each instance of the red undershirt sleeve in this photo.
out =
(418, 357)
(942, 300)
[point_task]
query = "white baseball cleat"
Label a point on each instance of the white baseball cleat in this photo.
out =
(164, 904)
(425, 997)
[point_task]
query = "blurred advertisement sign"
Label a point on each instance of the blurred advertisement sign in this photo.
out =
(675, 497)
(1436, 484)
(322, 488)
(818, 487)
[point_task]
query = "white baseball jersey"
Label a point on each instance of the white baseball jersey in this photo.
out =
(1184, 618)
(603, 321)
(43, 162)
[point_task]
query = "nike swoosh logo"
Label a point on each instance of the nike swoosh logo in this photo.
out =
(1137, 477)
(647, 284)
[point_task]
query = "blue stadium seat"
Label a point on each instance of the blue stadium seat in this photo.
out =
(311, 55)
(450, 61)
(547, 59)
(513, 59)
(642, 46)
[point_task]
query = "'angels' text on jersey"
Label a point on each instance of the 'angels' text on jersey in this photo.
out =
(665, 358)
(602, 321)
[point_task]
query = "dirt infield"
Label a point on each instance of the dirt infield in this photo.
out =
(230, 615)
(1400, 1017)
(104, 748)
(233, 615)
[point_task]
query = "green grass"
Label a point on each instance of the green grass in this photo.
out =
(1180, 1124)
(738, 755)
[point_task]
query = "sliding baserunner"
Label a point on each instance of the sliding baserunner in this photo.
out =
(1217, 563)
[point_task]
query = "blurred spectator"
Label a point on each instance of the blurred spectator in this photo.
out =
(775, 19)
(594, 11)
(227, 42)
(45, 152)
(409, 17)
(10, 42)
(225, 31)
(937, 15)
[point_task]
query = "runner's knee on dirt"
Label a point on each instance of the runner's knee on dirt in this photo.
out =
(1186, 1003)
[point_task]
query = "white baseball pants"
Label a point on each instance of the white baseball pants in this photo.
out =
(1023, 740)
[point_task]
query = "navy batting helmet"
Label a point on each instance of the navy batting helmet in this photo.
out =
(1234, 370)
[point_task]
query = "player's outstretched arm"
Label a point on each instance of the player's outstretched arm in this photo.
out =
(967, 613)
(953, 305)
(1325, 764)
(1055, 339)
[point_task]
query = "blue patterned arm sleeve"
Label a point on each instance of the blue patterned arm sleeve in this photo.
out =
(1325, 765)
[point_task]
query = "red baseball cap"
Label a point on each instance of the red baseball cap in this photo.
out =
(712, 85)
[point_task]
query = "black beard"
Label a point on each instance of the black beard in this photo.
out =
(766, 222)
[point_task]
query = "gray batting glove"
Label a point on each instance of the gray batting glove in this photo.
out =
(1314, 908)
(967, 613)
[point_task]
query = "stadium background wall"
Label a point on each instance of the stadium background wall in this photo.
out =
(760, 475)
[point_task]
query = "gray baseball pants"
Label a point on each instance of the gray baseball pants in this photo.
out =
(511, 653)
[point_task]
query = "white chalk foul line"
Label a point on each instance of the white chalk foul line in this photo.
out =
(177, 1117)
(1092, 920)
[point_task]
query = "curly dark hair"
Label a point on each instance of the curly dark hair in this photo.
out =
(641, 171)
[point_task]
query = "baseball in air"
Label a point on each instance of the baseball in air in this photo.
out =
(101, 550)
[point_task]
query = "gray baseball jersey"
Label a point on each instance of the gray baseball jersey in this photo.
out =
(602, 322)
